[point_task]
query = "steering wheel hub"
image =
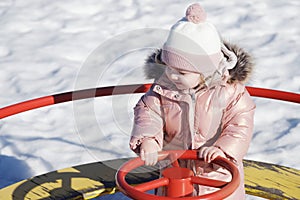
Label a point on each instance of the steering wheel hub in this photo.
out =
(180, 182)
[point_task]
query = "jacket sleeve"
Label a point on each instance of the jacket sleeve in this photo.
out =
(148, 121)
(237, 125)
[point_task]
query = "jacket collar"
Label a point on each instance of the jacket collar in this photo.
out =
(166, 88)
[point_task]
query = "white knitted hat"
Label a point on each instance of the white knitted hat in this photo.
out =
(193, 44)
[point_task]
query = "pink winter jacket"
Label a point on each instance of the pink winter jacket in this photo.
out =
(219, 115)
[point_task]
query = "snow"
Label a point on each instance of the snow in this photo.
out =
(49, 47)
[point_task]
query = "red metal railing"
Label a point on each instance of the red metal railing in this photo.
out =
(123, 89)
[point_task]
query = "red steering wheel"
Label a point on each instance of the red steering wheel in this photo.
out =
(178, 181)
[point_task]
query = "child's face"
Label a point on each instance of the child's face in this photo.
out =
(183, 79)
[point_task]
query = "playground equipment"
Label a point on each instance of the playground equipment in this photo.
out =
(97, 179)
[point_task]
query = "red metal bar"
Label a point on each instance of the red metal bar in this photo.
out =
(274, 94)
(143, 187)
(25, 106)
(71, 96)
(208, 182)
(124, 89)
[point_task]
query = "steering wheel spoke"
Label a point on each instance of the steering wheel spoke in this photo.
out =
(175, 163)
(208, 182)
(143, 187)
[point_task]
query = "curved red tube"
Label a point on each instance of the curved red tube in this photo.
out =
(274, 94)
(123, 89)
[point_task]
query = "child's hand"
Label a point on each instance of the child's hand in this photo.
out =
(149, 149)
(210, 153)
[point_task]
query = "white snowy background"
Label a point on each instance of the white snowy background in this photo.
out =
(47, 47)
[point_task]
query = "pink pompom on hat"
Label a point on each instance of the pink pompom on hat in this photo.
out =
(195, 13)
(193, 44)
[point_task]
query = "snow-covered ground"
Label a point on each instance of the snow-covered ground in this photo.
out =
(49, 47)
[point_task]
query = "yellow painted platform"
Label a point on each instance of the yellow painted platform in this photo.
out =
(96, 179)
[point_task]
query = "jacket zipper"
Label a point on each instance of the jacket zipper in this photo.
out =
(192, 117)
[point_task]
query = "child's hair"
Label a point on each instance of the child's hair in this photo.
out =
(202, 80)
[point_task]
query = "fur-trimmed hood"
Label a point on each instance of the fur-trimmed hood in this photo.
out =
(242, 71)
